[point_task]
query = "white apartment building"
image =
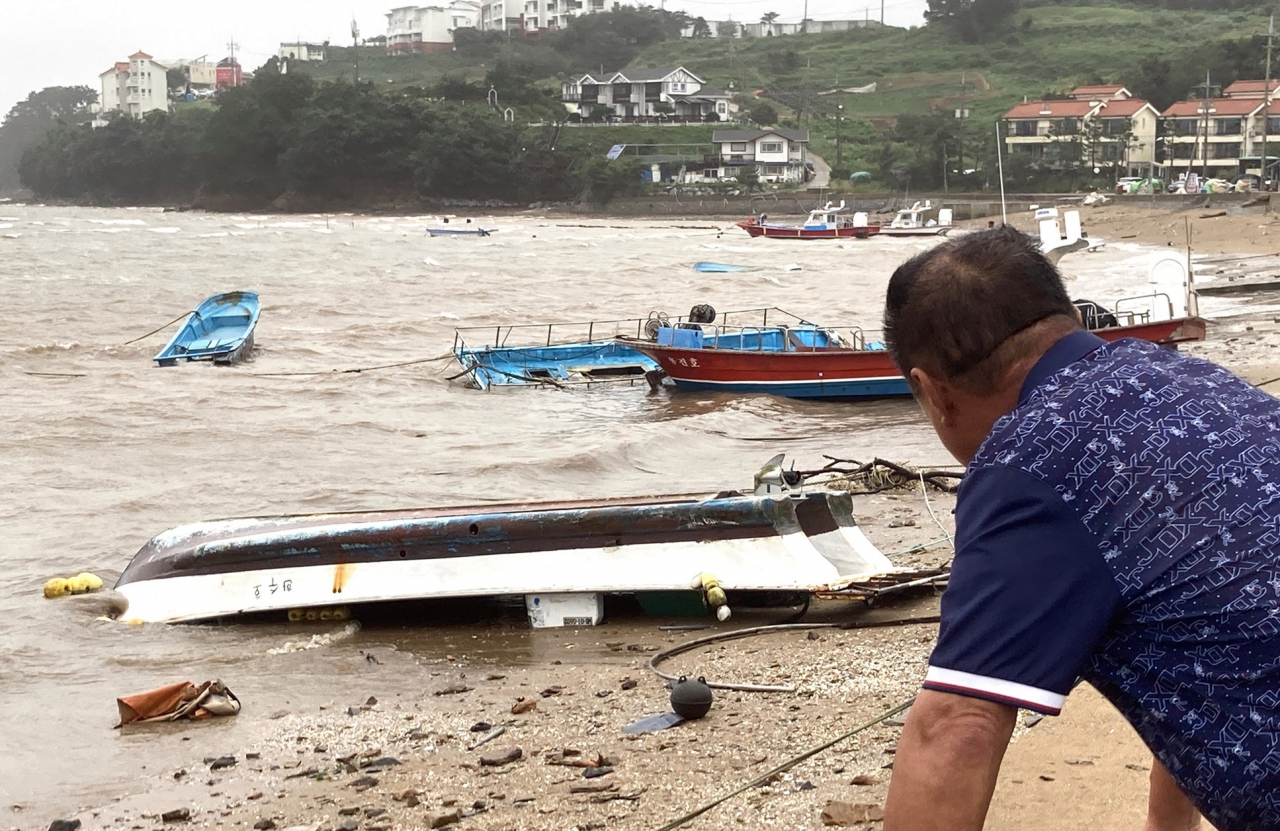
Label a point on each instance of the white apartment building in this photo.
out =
(136, 86)
(1095, 125)
(416, 29)
(538, 15)
(777, 155)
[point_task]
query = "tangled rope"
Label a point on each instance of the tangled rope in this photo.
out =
(879, 475)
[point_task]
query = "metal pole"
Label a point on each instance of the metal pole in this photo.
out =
(1204, 164)
(1266, 98)
(1004, 212)
(839, 115)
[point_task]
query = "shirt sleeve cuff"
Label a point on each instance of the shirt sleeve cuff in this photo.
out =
(993, 689)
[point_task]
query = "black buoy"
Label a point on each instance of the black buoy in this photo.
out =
(691, 699)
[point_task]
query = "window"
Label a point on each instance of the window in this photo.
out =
(711, 174)
(1273, 125)
(1024, 128)
(1111, 152)
(1185, 150)
(1115, 126)
(1227, 126)
(770, 147)
(1230, 150)
(1186, 126)
(737, 147)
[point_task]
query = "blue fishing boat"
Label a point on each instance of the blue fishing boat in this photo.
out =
(584, 354)
(219, 330)
(467, 230)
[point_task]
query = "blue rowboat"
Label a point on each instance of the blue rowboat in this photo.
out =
(219, 330)
(459, 232)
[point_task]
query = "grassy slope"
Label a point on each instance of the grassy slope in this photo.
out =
(916, 70)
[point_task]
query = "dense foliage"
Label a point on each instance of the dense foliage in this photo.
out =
(972, 20)
(30, 120)
(288, 134)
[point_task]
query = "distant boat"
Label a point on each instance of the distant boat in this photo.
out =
(219, 330)
(827, 222)
(463, 231)
(920, 220)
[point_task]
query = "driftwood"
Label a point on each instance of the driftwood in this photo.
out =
(879, 475)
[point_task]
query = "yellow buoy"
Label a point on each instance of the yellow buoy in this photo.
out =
(92, 580)
(57, 587)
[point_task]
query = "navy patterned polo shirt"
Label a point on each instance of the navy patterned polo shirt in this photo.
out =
(1122, 525)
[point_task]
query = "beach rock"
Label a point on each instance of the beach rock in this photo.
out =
(630, 684)
(176, 815)
(523, 706)
(498, 758)
(452, 689)
(481, 727)
(264, 824)
(222, 762)
(64, 825)
(364, 783)
(592, 773)
(384, 762)
(843, 814)
(349, 825)
(348, 811)
(440, 819)
(550, 691)
(353, 711)
(864, 780)
(370, 813)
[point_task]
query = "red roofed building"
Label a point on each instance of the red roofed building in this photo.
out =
(1250, 89)
(1099, 126)
(1221, 135)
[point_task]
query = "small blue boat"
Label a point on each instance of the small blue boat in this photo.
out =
(459, 232)
(219, 330)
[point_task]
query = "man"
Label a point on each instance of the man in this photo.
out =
(1119, 522)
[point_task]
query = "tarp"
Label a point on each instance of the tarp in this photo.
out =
(178, 701)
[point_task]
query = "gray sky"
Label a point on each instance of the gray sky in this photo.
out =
(46, 43)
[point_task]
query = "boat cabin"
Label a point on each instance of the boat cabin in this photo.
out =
(830, 217)
(922, 216)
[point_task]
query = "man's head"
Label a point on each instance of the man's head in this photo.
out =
(966, 321)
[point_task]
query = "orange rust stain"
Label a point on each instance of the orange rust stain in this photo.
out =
(341, 574)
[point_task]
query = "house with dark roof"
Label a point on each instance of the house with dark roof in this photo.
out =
(634, 94)
(778, 155)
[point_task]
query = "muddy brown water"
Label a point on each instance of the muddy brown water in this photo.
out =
(100, 450)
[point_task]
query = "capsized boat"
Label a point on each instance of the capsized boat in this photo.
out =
(558, 555)
(827, 222)
(572, 353)
(219, 330)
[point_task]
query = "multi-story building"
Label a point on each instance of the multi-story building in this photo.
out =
(302, 51)
(136, 86)
(1095, 125)
(531, 16)
(735, 29)
(200, 74)
(672, 92)
(416, 29)
(228, 74)
(778, 155)
(1220, 136)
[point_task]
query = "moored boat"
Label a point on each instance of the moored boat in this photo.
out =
(920, 220)
(827, 222)
(219, 330)
(573, 551)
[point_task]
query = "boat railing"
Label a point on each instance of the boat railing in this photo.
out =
(1135, 316)
(759, 338)
(527, 335)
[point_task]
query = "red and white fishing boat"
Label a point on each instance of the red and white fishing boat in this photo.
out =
(803, 360)
(827, 222)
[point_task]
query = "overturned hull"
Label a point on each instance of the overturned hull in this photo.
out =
(244, 566)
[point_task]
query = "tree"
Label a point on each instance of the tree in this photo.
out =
(767, 19)
(763, 114)
(30, 120)
(726, 29)
(601, 112)
(748, 177)
(701, 29)
(972, 20)
(176, 78)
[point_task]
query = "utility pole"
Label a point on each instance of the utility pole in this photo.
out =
(839, 116)
(804, 21)
(1205, 109)
(355, 47)
(881, 12)
(232, 46)
(1266, 99)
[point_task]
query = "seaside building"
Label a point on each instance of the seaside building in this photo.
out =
(1221, 137)
(666, 92)
(1095, 126)
(302, 51)
(532, 16)
(418, 29)
(778, 155)
(136, 86)
(229, 74)
(735, 29)
(200, 73)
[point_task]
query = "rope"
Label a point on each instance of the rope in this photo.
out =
(924, 490)
(161, 329)
(356, 370)
(787, 765)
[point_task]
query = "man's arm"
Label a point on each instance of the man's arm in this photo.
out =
(1168, 808)
(948, 757)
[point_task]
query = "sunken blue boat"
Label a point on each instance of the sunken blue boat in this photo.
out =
(219, 330)
(582, 354)
(459, 232)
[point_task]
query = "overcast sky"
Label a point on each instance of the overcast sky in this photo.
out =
(47, 43)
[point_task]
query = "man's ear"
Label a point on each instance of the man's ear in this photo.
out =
(936, 395)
